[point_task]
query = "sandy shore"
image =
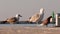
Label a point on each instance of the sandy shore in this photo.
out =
(29, 30)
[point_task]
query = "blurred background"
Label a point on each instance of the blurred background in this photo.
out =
(27, 8)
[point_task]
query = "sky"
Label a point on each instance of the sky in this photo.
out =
(27, 8)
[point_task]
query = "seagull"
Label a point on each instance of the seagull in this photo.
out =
(37, 17)
(14, 19)
(46, 21)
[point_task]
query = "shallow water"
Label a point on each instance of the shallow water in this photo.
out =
(25, 25)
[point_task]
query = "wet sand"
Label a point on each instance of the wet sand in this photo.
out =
(29, 30)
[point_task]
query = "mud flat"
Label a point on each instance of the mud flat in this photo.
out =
(16, 29)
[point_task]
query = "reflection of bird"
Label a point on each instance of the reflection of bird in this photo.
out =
(14, 19)
(37, 17)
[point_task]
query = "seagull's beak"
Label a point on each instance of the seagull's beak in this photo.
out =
(20, 15)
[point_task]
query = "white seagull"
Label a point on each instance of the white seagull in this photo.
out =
(37, 17)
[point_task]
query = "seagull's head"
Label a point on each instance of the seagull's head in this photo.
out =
(18, 15)
(41, 10)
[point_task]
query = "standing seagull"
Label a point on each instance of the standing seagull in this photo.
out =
(37, 17)
(14, 19)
